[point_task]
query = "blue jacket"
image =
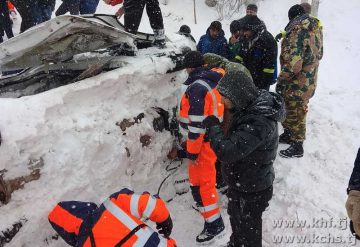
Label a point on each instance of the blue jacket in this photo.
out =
(88, 6)
(354, 183)
(217, 46)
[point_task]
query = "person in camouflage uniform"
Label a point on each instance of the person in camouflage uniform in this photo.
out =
(301, 51)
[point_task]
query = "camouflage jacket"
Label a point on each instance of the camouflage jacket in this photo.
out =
(301, 51)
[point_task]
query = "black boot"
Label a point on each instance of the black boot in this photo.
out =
(295, 150)
(284, 138)
(210, 231)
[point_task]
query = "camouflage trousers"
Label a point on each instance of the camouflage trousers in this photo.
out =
(295, 120)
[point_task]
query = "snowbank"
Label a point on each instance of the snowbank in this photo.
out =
(73, 129)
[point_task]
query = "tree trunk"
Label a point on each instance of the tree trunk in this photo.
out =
(315, 7)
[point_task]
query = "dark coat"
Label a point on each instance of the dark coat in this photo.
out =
(248, 151)
(217, 46)
(354, 183)
(260, 58)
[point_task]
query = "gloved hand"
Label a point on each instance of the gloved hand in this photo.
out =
(210, 121)
(353, 206)
(278, 37)
(165, 227)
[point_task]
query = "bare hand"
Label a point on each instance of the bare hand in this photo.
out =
(107, 1)
(234, 40)
(120, 12)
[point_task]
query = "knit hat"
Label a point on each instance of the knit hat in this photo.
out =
(295, 11)
(185, 29)
(238, 88)
(252, 22)
(235, 26)
(216, 25)
(193, 59)
(252, 7)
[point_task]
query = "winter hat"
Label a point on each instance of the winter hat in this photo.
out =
(252, 7)
(235, 26)
(295, 11)
(185, 29)
(193, 59)
(238, 88)
(216, 25)
(251, 22)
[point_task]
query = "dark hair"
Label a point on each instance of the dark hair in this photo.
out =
(252, 7)
(193, 59)
(235, 26)
(185, 29)
(215, 25)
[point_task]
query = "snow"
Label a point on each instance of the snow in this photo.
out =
(73, 129)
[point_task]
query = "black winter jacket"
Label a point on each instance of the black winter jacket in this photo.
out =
(247, 153)
(260, 58)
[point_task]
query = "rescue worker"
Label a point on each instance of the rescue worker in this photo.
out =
(201, 99)
(301, 51)
(116, 222)
(133, 10)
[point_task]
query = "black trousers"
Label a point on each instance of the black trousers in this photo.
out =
(245, 211)
(72, 6)
(133, 12)
(5, 22)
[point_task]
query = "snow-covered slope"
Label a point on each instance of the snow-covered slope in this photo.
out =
(73, 129)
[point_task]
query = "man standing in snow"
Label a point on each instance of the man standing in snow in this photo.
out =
(353, 201)
(301, 51)
(201, 99)
(133, 10)
(259, 51)
(71, 6)
(246, 145)
(214, 41)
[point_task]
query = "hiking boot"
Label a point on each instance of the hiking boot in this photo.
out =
(211, 231)
(295, 150)
(284, 138)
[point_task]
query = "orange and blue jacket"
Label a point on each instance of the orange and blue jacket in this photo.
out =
(116, 222)
(201, 99)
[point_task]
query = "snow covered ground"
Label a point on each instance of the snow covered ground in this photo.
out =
(73, 129)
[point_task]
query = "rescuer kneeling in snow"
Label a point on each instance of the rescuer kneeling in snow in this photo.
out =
(116, 222)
